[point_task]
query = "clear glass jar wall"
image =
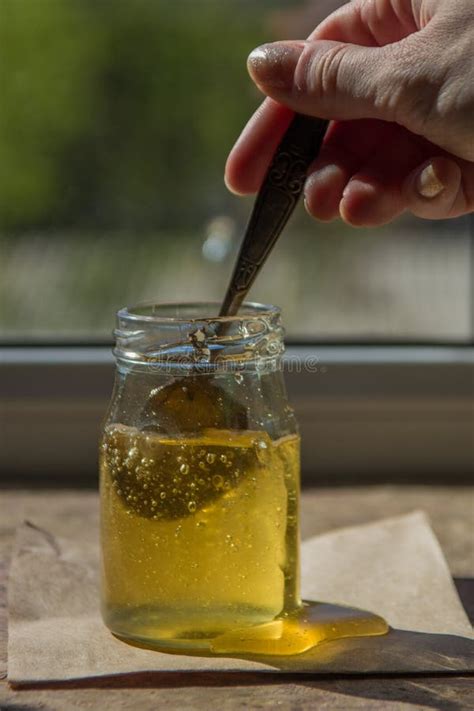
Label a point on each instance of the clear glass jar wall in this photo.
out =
(199, 476)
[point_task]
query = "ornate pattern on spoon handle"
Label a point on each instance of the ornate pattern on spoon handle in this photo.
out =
(276, 200)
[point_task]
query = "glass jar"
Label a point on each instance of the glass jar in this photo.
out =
(199, 464)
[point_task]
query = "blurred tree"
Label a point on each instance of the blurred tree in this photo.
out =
(119, 113)
(49, 58)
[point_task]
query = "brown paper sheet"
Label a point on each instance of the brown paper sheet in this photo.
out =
(394, 567)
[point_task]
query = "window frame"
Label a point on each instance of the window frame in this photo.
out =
(367, 414)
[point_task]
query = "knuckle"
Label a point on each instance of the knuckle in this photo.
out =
(427, 91)
(392, 92)
(410, 92)
(321, 70)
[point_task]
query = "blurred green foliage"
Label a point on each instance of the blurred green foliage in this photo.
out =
(120, 113)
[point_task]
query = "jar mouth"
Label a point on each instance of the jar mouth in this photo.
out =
(187, 335)
(193, 311)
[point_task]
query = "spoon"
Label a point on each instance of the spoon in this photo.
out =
(187, 405)
(276, 200)
(170, 407)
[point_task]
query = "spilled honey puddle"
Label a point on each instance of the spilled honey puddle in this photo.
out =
(301, 630)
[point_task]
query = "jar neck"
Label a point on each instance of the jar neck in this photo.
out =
(186, 337)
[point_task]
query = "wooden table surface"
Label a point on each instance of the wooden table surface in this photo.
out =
(452, 514)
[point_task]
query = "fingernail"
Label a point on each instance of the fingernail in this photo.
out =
(274, 64)
(428, 184)
(230, 187)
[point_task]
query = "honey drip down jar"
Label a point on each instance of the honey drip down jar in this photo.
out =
(199, 477)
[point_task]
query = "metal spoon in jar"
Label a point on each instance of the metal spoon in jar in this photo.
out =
(174, 405)
(276, 200)
(191, 403)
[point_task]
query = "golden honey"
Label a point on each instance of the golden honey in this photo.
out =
(199, 534)
(200, 468)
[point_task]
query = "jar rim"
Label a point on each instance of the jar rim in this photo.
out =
(184, 335)
(192, 311)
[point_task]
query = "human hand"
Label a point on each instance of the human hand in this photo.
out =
(397, 79)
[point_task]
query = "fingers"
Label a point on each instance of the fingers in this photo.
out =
(250, 156)
(249, 159)
(369, 172)
(369, 202)
(340, 81)
(347, 147)
(395, 174)
(369, 179)
(440, 188)
(287, 73)
(369, 24)
(374, 195)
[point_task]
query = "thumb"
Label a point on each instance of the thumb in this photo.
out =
(332, 80)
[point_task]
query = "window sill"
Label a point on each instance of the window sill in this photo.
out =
(367, 414)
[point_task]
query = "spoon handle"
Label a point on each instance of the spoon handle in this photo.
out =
(276, 200)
